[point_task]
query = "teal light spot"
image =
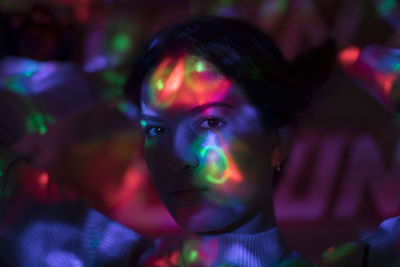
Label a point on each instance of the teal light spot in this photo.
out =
(397, 119)
(143, 123)
(199, 66)
(226, 3)
(121, 42)
(28, 73)
(160, 85)
(193, 255)
(15, 84)
(95, 243)
(386, 6)
(396, 66)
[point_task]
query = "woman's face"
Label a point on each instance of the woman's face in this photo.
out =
(206, 149)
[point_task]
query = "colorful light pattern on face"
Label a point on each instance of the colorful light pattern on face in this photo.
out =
(192, 113)
(178, 81)
(217, 164)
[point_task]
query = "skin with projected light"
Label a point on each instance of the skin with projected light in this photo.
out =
(216, 99)
(207, 150)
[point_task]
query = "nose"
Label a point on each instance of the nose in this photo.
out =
(183, 155)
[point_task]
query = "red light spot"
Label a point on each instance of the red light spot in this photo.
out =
(385, 82)
(349, 55)
(174, 258)
(331, 249)
(43, 179)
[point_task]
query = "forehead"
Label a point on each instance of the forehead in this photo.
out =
(184, 82)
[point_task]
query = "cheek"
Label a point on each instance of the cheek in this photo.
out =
(254, 169)
(156, 156)
(242, 173)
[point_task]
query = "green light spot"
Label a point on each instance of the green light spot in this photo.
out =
(112, 93)
(193, 255)
(122, 106)
(226, 3)
(121, 42)
(386, 6)
(114, 77)
(159, 85)
(199, 66)
(42, 129)
(143, 123)
(282, 5)
(1, 173)
(36, 123)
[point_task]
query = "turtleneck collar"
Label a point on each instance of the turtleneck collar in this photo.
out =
(262, 249)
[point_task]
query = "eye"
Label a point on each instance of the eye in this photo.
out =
(211, 124)
(155, 131)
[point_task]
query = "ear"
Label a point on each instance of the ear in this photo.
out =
(281, 146)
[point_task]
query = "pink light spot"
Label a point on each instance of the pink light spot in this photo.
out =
(43, 179)
(349, 55)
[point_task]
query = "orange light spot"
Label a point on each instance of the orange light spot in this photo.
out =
(176, 78)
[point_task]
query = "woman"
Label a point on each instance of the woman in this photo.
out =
(217, 99)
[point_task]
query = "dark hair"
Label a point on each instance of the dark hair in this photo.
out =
(247, 56)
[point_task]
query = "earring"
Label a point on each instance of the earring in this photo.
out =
(278, 166)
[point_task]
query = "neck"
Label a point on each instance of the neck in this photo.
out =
(259, 219)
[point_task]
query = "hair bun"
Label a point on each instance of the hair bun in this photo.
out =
(313, 68)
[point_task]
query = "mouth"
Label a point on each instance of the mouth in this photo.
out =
(188, 194)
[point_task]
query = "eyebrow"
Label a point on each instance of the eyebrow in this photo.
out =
(193, 111)
(152, 118)
(203, 107)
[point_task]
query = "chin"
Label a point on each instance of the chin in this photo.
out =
(206, 220)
